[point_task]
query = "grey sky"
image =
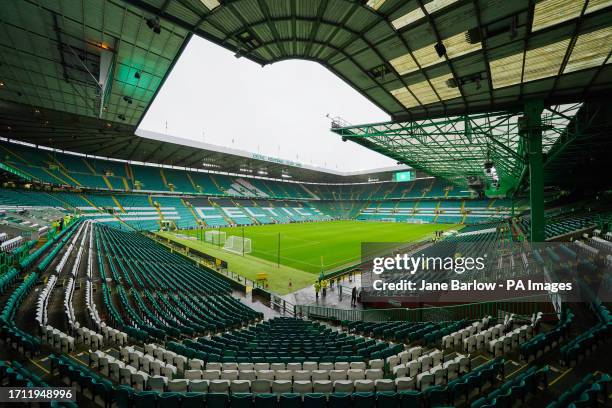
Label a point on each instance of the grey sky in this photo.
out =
(237, 103)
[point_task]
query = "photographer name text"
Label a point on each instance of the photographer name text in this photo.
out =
(457, 285)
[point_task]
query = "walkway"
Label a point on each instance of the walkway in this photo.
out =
(306, 296)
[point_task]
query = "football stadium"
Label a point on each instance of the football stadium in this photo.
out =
(452, 250)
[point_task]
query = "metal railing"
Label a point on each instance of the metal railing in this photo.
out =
(471, 311)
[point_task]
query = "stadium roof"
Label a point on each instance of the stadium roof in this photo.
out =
(420, 58)
(190, 153)
(457, 148)
(103, 58)
(93, 58)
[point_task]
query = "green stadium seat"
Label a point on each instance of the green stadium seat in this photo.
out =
(410, 399)
(290, 400)
(169, 400)
(217, 400)
(479, 403)
(457, 391)
(265, 400)
(474, 382)
(315, 400)
(585, 400)
(437, 396)
(194, 400)
(145, 399)
(387, 399)
(340, 400)
(504, 399)
(364, 399)
(103, 388)
(241, 400)
(122, 395)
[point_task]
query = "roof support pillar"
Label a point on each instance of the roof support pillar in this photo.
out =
(533, 133)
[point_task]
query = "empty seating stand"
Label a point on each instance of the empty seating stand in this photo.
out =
(285, 340)
(10, 334)
(590, 339)
(586, 393)
(544, 341)
(126, 384)
(518, 388)
(174, 296)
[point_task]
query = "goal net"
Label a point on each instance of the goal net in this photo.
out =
(215, 237)
(238, 245)
(415, 221)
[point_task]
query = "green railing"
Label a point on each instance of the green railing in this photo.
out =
(341, 271)
(15, 171)
(524, 306)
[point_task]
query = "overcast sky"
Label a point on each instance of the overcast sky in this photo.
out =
(212, 96)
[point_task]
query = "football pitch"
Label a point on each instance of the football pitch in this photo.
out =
(305, 249)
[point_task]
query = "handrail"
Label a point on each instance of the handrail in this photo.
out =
(525, 305)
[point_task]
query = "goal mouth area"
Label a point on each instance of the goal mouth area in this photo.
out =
(238, 245)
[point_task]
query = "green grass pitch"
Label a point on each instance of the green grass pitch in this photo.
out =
(307, 248)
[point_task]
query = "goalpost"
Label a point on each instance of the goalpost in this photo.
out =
(415, 221)
(215, 237)
(238, 245)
